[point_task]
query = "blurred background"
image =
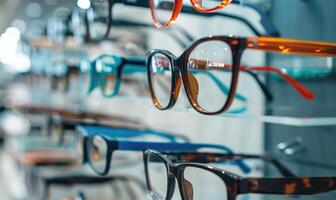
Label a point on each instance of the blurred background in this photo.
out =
(45, 77)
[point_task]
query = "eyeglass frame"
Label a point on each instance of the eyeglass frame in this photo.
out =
(114, 144)
(236, 184)
(237, 45)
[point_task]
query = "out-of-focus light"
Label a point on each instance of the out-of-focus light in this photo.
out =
(20, 24)
(84, 4)
(33, 10)
(21, 63)
(8, 45)
(13, 34)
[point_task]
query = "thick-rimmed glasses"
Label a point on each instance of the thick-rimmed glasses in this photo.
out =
(220, 55)
(200, 181)
(107, 71)
(99, 149)
(163, 19)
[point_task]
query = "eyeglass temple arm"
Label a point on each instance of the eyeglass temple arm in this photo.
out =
(279, 166)
(266, 91)
(126, 132)
(288, 186)
(306, 93)
(164, 146)
(223, 157)
(290, 46)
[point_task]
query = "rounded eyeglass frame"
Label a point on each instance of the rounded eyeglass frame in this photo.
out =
(178, 4)
(180, 69)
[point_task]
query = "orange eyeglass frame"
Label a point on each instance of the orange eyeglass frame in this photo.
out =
(178, 4)
(238, 45)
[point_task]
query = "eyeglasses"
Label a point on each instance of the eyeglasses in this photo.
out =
(94, 24)
(163, 19)
(169, 6)
(85, 131)
(89, 187)
(200, 181)
(106, 72)
(99, 150)
(220, 55)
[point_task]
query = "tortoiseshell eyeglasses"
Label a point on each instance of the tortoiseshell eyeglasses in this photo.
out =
(198, 180)
(221, 56)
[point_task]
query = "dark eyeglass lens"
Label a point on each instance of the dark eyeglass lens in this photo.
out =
(160, 71)
(163, 10)
(106, 68)
(98, 15)
(98, 152)
(209, 74)
(199, 184)
(157, 176)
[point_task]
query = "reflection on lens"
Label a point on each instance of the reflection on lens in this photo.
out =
(161, 78)
(98, 153)
(209, 4)
(106, 68)
(210, 74)
(200, 184)
(98, 18)
(163, 10)
(158, 177)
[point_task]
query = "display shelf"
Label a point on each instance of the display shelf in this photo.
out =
(280, 115)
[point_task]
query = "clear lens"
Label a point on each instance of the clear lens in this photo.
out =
(158, 176)
(208, 4)
(98, 15)
(163, 10)
(78, 24)
(98, 153)
(160, 71)
(200, 184)
(210, 74)
(106, 68)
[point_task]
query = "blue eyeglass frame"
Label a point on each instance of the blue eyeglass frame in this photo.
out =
(114, 144)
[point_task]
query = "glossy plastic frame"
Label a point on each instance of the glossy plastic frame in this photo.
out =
(177, 7)
(268, 26)
(237, 185)
(238, 46)
(126, 23)
(125, 66)
(114, 144)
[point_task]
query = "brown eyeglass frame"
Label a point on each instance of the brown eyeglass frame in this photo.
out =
(237, 45)
(237, 185)
(178, 4)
